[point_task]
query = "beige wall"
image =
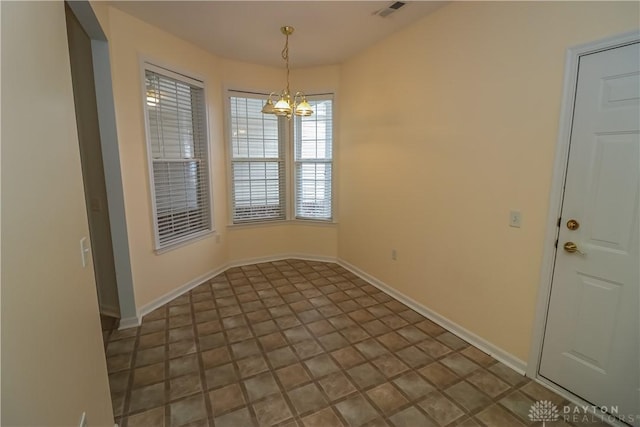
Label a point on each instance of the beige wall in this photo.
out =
(158, 274)
(53, 363)
(130, 42)
(276, 240)
(445, 127)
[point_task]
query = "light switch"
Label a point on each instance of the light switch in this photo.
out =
(515, 219)
(84, 251)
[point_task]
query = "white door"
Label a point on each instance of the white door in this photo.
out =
(591, 342)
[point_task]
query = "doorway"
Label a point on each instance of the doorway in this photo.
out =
(93, 170)
(587, 342)
(101, 105)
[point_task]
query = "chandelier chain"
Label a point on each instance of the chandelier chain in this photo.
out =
(285, 56)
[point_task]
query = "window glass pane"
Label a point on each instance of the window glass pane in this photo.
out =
(313, 190)
(313, 140)
(257, 162)
(177, 141)
(253, 134)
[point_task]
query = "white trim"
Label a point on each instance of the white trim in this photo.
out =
(557, 186)
(294, 162)
(283, 158)
(494, 351)
(145, 63)
(144, 58)
(171, 295)
(166, 72)
(228, 154)
(475, 340)
(130, 322)
(281, 257)
(288, 158)
(282, 222)
(313, 222)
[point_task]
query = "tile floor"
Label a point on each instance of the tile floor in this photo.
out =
(300, 343)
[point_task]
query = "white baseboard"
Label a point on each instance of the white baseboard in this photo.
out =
(133, 322)
(280, 257)
(170, 296)
(497, 353)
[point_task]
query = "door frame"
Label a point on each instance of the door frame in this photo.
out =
(557, 192)
(83, 11)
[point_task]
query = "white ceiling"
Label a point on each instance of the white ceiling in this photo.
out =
(327, 32)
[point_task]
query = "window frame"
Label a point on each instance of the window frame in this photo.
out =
(283, 159)
(295, 162)
(287, 133)
(193, 80)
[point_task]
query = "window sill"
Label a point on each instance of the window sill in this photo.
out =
(279, 223)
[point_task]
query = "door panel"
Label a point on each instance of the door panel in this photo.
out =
(613, 184)
(591, 343)
(597, 299)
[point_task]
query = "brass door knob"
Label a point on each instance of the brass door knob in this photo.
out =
(572, 248)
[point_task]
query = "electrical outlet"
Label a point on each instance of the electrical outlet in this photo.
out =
(515, 219)
(394, 254)
(83, 420)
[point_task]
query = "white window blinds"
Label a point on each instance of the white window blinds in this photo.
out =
(178, 153)
(257, 162)
(313, 146)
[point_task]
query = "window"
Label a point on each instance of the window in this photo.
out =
(261, 169)
(257, 162)
(177, 148)
(313, 149)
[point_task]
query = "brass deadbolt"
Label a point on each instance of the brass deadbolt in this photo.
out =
(572, 224)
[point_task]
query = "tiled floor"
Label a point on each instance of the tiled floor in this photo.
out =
(302, 343)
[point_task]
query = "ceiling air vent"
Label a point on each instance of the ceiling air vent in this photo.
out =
(386, 11)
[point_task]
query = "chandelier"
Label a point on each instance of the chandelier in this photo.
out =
(286, 104)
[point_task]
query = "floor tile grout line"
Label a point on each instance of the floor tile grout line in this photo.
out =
(312, 285)
(132, 364)
(201, 372)
(228, 348)
(245, 392)
(282, 389)
(167, 357)
(359, 391)
(274, 372)
(308, 372)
